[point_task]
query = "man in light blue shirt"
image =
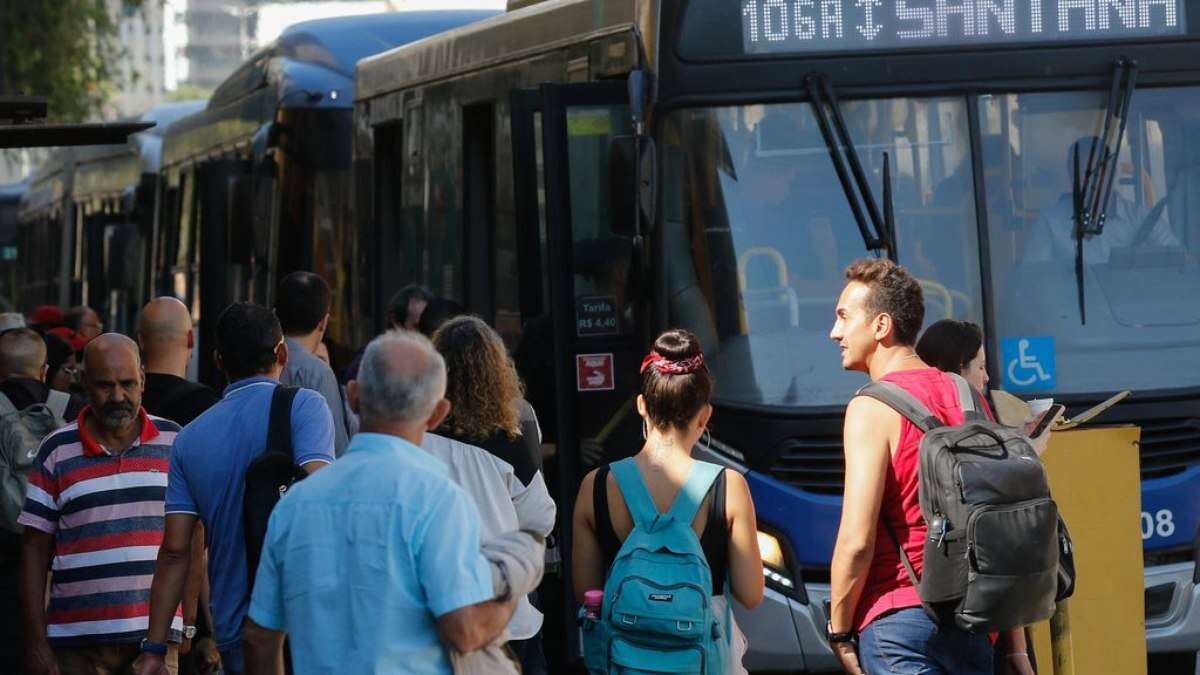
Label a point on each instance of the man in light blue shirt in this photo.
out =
(373, 565)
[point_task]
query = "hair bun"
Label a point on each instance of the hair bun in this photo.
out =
(677, 344)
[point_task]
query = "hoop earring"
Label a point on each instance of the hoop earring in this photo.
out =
(707, 435)
(645, 432)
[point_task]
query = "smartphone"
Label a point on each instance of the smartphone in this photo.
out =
(1046, 419)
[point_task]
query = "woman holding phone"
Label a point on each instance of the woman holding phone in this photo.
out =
(957, 347)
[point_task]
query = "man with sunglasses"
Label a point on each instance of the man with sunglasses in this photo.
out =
(207, 477)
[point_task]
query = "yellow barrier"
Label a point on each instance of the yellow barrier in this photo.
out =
(1095, 478)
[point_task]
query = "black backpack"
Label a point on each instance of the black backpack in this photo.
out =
(268, 477)
(992, 555)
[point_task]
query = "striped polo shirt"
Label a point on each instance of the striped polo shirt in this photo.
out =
(105, 511)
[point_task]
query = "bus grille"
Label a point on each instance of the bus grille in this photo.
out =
(1169, 446)
(812, 464)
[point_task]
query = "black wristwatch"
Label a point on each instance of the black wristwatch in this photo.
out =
(153, 647)
(837, 638)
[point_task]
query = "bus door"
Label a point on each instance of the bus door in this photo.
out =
(583, 336)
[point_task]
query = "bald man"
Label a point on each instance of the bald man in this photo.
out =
(23, 375)
(115, 456)
(165, 336)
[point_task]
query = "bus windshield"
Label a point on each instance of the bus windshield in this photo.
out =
(757, 233)
(1141, 278)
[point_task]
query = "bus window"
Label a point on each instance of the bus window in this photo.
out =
(1141, 279)
(766, 232)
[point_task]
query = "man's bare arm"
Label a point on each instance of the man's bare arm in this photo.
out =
(36, 549)
(475, 626)
(170, 573)
(869, 426)
(262, 649)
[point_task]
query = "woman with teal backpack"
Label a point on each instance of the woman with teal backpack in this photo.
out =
(666, 537)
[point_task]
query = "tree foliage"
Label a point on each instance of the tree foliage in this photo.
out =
(65, 50)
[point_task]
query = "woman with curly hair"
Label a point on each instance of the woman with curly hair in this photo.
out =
(491, 444)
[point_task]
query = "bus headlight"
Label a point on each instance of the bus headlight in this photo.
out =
(775, 567)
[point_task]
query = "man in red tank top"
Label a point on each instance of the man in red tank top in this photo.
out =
(876, 623)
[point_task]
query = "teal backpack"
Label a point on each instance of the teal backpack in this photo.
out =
(657, 614)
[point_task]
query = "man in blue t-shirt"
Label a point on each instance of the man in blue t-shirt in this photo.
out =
(207, 476)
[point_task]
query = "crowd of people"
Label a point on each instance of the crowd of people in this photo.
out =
(407, 529)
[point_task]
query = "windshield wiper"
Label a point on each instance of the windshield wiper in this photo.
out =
(1091, 192)
(880, 233)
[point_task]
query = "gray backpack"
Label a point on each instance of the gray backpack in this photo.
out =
(21, 434)
(992, 553)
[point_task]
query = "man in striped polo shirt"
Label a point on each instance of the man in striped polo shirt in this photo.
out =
(94, 517)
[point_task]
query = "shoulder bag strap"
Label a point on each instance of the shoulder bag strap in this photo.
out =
(634, 491)
(895, 397)
(279, 426)
(692, 494)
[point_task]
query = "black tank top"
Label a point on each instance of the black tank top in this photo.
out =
(714, 540)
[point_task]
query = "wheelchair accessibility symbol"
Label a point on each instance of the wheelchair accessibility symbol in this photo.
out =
(1029, 363)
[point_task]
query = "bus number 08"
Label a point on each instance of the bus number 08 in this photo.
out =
(1161, 523)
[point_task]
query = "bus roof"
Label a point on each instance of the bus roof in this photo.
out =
(310, 65)
(111, 170)
(515, 36)
(50, 183)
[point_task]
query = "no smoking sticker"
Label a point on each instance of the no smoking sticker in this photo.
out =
(594, 372)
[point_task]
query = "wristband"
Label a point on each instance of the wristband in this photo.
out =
(149, 647)
(836, 638)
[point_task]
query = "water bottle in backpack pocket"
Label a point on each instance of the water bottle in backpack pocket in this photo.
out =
(657, 614)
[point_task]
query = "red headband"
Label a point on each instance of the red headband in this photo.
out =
(666, 366)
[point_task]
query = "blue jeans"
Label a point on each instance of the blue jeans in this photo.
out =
(908, 642)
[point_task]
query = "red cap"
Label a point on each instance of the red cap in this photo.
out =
(47, 315)
(76, 340)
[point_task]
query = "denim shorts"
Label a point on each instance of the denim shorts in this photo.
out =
(908, 642)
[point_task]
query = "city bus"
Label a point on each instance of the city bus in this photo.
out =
(87, 222)
(10, 203)
(44, 214)
(585, 174)
(257, 184)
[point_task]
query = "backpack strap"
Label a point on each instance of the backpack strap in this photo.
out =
(969, 399)
(895, 397)
(57, 402)
(279, 426)
(6, 405)
(908, 566)
(633, 489)
(691, 495)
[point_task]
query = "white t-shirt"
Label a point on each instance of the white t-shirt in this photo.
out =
(505, 504)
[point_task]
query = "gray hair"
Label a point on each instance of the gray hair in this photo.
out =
(401, 379)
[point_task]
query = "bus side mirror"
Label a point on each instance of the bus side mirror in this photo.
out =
(631, 172)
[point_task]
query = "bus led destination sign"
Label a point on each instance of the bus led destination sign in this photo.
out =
(788, 26)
